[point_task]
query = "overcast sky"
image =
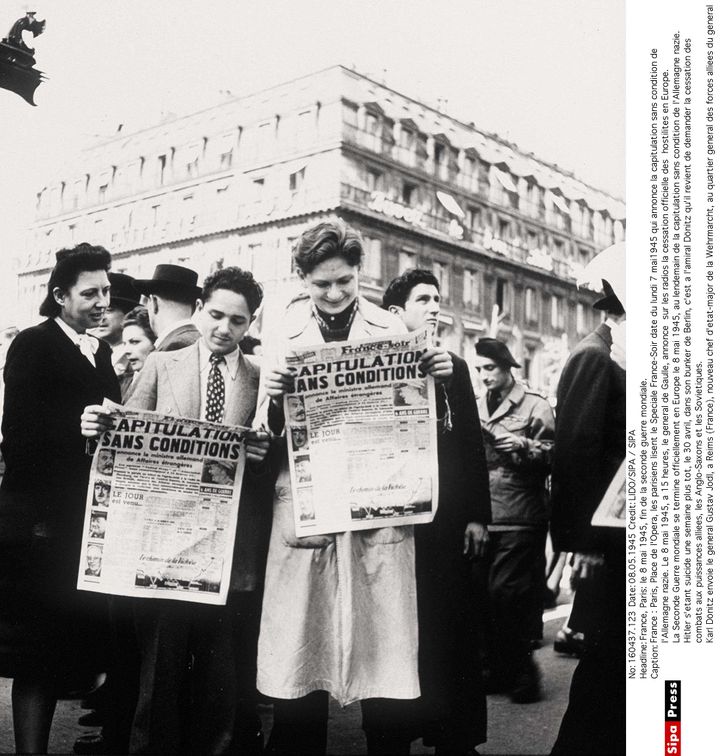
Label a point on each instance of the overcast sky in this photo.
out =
(547, 74)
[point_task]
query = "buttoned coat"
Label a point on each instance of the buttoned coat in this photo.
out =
(170, 383)
(48, 383)
(341, 618)
(518, 480)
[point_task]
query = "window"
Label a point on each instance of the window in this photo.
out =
(471, 288)
(258, 186)
(582, 318)
(406, 260)
(372, 265)
(155, 212)
(440, 271)
(531, 305)
(374, 180)
(557, 312)
(474, 217)
(501, 294)
(504, 229)
(161, 166)
(531, 239)
(439, 153)
(296, 180)
(409, 193)
(188, 210)
(102, 192)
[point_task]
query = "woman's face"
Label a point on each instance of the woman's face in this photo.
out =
(137, 346)
(83, 305)
(332, 285)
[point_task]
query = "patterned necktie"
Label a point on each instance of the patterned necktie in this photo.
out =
(215, 407)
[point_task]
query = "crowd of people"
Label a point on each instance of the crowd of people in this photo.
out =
(417, 623)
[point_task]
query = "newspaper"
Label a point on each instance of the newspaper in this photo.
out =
(610, 512)
(361, 435)
(671, 652)
(162, 508)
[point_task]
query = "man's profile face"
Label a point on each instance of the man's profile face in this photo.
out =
(223, 320)
(422, 308)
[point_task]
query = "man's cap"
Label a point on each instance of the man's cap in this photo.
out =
(168, 279)
(496, 351)
(123, 294)
(609, 301)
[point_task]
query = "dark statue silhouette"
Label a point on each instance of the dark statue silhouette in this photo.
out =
(17, 60)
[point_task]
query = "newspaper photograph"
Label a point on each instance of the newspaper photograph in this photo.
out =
(162, 508)
(361, 435)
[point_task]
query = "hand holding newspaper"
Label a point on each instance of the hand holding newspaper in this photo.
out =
(361, 435)
(162, 507)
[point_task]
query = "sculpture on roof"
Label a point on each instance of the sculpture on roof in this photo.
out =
(17, 61)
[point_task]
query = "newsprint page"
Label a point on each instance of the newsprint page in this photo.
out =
(673, 95)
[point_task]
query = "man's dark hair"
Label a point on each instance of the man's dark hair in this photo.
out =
(237, 280)
(139, 317)
(333, 238)
(70, 263)
(399, 288)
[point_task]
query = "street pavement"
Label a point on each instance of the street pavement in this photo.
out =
(512, 728)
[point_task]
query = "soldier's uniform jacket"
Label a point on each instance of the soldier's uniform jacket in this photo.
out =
(518, 480)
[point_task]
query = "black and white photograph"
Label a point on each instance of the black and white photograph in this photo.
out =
(106, 461)
(219, 472)
(233, 182)
(101, 494)
(98, 524)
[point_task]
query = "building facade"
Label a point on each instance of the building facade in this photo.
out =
(505, 233)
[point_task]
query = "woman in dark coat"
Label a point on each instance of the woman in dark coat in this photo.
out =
(51, 633)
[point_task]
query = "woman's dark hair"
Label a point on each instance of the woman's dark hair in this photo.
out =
(333, 238)
(70, 263)
(237, 280)
(138, 316)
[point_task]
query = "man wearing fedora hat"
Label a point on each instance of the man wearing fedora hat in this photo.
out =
(123, 298)
(171, 296)
(518, 430)
(589, 450)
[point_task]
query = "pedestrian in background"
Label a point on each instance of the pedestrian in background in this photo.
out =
(518, 428)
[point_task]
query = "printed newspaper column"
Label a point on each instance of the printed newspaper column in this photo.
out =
(671, 391)
(162, 508)
(361, 435)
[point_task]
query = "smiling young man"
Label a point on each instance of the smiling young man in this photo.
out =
(452, 708)
(214, 381)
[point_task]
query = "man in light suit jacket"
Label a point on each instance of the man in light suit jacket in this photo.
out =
(171, 295)
(211, 380)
